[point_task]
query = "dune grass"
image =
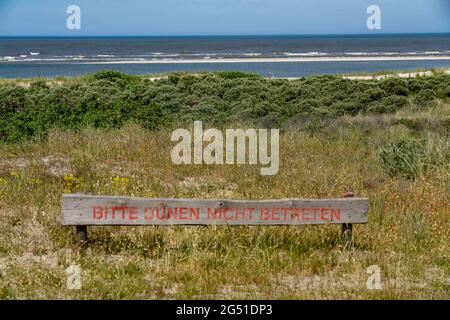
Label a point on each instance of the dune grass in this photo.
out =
(407, 238)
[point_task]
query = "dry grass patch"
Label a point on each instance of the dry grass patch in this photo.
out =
(408, 235)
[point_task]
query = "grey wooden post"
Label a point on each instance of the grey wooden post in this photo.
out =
(347, 234)
(81, 232)
(347, 228)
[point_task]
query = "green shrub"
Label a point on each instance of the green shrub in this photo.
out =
(12, 100)
(39, 84)
(109, 99)
(229, 75)
(395, 86)
(424, 97)
(112, 75)
(402, 158)
(410, 158)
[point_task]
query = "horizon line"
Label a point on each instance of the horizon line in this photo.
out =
(231, 35)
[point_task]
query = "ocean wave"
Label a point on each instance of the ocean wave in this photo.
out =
(7, 58)
(305, 54)
(75, 57)
(389, 53)
(165, 55)
(42, 60)
(359, 53)
(160, 56)
(201, 54)
(386, 53)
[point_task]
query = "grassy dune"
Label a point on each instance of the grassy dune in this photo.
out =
(399, 159)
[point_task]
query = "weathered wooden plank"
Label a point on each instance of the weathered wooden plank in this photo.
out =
(109, 210)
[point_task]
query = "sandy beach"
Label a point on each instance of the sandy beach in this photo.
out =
(365, 77)
(272, 60)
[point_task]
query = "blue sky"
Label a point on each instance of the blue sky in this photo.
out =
(220, 17)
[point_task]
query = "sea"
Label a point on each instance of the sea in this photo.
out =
(26, 57)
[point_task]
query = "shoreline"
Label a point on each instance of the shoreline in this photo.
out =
(237, 60)
(357, 77)
(275, 60)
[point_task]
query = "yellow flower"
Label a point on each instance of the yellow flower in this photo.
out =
(70, 178)
(120, 183)
(36, 182)
(151, 194)
(14, 173)
(71, 183)
(3, 183)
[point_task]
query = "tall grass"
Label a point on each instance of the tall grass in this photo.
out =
(408, 235)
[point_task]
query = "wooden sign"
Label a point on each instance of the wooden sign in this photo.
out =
(83, 210)
(87, 210)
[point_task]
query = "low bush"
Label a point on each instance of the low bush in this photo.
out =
(110, 99)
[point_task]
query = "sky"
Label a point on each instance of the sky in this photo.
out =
(221, 17)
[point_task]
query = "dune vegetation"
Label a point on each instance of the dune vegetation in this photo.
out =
(109, 133)
(110, 99)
